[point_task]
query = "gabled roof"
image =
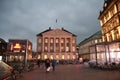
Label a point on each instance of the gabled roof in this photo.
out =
(40, 34)
(68, 32)
(98, 33)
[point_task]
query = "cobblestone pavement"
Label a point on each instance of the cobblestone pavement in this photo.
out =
(71, 72)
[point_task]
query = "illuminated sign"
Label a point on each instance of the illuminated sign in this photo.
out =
(17, 46)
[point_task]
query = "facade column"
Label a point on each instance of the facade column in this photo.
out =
(42, 49)
(54, 45)
(60, 44)
(71, 45)
(65, 44)
(48, 44)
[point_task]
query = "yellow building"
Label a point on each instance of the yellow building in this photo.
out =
(110, 20)
(110, 23)
(56, 43)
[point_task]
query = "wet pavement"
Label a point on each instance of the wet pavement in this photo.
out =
(71, 72)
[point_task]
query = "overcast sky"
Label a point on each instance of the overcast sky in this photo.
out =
(23, 19)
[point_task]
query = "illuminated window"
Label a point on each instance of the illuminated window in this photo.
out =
(39, 56)
(29, 56)
(67, 49)
(57, 56)
(68, 56)
(63, 56)
(57, 40)
(96, 41)
(51, 56)
(46, 48)
(115, 9)
(46, 40)
(45, 56)
(73, 48)
(51, 40)
(73, 56)
(62, 40)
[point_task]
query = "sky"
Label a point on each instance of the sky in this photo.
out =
(24, 19)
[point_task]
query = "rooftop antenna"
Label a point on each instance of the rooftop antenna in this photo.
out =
(56, 23)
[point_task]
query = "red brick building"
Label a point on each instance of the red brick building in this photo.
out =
(19, 50)
(56, 43)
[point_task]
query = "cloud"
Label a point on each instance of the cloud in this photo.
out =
(26, 18)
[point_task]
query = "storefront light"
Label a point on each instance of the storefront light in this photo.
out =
(0, 58)
(118, 55)
(112, 54)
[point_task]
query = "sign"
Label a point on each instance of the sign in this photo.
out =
(17, 46)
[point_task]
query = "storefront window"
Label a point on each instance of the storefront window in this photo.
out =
(45, 56)
(63, 56)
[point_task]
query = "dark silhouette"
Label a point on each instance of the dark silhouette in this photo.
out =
(38, 63)
(53, 64)
(47, 64)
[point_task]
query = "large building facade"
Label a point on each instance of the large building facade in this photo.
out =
(109, 50)
(56, 43)
(110, 20)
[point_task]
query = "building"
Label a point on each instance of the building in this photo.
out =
(110, 20)
(109, 50)
(84, 46)
(56, 43)
(3, 48)
(19, 50)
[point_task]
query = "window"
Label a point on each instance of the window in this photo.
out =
(51, 40)
(67, 49)
(46, 48)
(73, 41)
(73, 48)
(57, 56)
(46, 40)
(67, 40)
(45, 56)
(63, 56)
(62, 40)
(39, 40)
(57, 40)
(115, 9)
(96, 41)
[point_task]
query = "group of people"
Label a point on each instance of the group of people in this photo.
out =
(48, 64)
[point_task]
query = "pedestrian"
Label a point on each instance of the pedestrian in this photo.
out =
(53, 64)
(38, 63)
(47, 65)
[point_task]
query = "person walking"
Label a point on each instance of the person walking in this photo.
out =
(38, 63)
(53, 64)
(47, 65)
